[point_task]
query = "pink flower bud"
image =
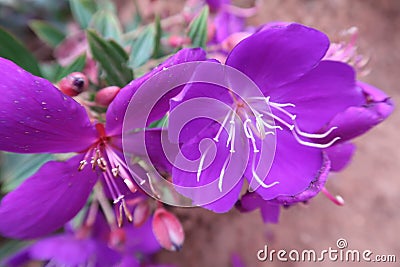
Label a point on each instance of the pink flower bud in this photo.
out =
(232, 40)
(74, 84)
(106, 95)
(177, 41)
(117, 238)
(141, 213)
(168, 230)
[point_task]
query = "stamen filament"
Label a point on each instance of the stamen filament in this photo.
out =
(216, 138)
(310, 144)
(258, 179)
(338, 200)
(222, 173)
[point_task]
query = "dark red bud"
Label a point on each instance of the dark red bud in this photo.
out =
(106, 95)
(74, 84)
(168, 230)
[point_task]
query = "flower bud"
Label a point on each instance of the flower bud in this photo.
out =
(106, 95)
(168, 230)
(74, 84)
(177, 41)
(117, 238)
(141, 213)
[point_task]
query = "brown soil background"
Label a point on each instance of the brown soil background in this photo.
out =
(370, 186)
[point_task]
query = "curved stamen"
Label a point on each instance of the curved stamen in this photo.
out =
(201, 163)
(249, 134)
(222, 173)
(316, 145)
(310, 135)
(258, 179)
(216, 138)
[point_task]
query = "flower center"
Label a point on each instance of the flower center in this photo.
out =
(104, 158)
(257, 119)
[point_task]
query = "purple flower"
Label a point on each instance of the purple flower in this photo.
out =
(93, 245)
(301, 94)
(35, 117)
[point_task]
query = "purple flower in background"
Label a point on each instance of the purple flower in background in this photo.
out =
(94, 245)
(301, 94)
(35, 117)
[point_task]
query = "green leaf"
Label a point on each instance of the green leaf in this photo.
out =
(17, 167)
(14, 50)
(157, 38)
(76, 66)
(83, 10)
(198, 29)
(47, 33)
(11, 247)
(50, 70)
(142, 47)
(112, 59)
(107, 24)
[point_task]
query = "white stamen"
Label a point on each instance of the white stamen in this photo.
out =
(290, 115)
(309, 135)
(201, 165)
(310, 144)
(216, 138)
(249, 134)
(258, 179)
(118, 199)
(222, 173)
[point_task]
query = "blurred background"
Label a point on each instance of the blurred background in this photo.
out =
(370, 185)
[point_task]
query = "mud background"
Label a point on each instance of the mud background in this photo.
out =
(370, 186)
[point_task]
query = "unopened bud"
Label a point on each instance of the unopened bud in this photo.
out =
(106, 95)
(177, 41)
(232, 40)
(168, 230)
(74, 84)
(141, 213)
(117, 238)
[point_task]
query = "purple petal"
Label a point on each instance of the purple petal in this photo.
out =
(320, 94)
(46, 200)
(141, 239)
(227, 24)
(215, 5)
(117, 108)
(129, 261)
(68, 250)
(314, 187)
(295, 166)
(222, 193)
(276, 56)
(269, 211)
(36, 117)
(354, 121)
(340, 155)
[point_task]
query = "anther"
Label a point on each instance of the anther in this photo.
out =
(338, 200)
(82, 164)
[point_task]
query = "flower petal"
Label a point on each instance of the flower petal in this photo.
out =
(36, 117)
(279, 55)
(116, 110)
(314, 187)
(207, 166)
(46, 200)
(269, 211)
(340, 155)
(357, 120)
(320, 94)
(295, 166)
(68, 250)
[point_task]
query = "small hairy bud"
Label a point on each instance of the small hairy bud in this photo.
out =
(106, 95)
(74, 84)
